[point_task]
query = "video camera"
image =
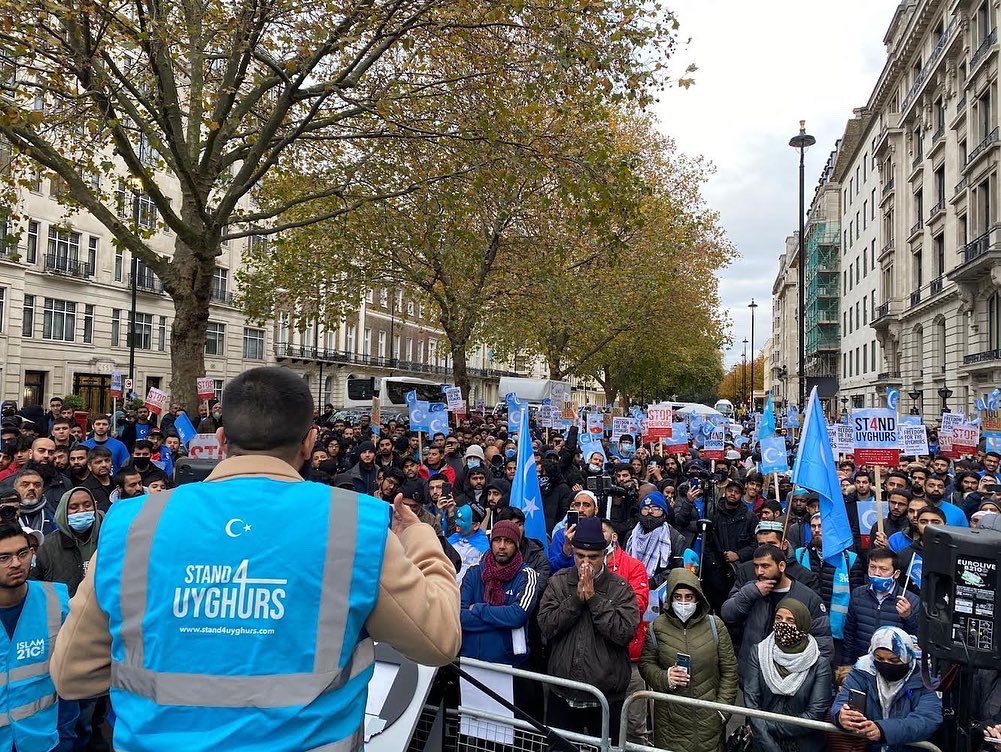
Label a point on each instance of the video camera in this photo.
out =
(602, 486)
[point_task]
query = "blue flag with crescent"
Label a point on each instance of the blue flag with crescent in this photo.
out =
(525, 492)
(515, 407)
(766, 426)
(773, 455)
(418, 410)
(816, 470)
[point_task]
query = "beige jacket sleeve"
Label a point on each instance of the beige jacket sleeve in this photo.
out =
(418, 607)
(81, 661)
(417, 612)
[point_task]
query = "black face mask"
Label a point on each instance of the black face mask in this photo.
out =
(141, 463)
(892, 672)
(648, 522)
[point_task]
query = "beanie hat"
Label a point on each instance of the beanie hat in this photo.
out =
(655, 499)
(589, 536)
(474, 450)
(506, 529)
(366, 446)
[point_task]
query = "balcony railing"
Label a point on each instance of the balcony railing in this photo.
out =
(939, 134)
(888, 187)
(982, 357)
(71, 266)
(221, 296)
(881, 311)
(283, 351)
(930, 64)
(977, 247)
(918, 159)
(982, 49)
(935, 210)
(887, 247)
(917, 227)
(961, 104)
(936, 285)
(915, 297)
(886, 375)
(148, 283)
(961, 186)
(983, 146)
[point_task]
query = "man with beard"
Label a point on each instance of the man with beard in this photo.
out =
(753, 606)
(98, 478)
(732, 543)
(142, 460)
(625, 509)
(835, 582)
(390, 484)
(119, 454)
(863, 494)
(919, 474)
(897, 501)
(498, 596)
(363, 474)
(29, 484)
(78, 470)
(29, 612)
(799, 518)
(386, 456)
(128, 484)
(56, 484)
(769, 532)
(912, 557)
(935, 496)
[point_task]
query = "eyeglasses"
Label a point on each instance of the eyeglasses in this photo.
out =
(22, 555)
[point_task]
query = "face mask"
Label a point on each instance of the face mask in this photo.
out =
(81, 521)
(788, 635)
(141, 463)
(881, 584)
(544, 483)
(625, 450)
(684, 611)
(892, 672)
(649, 522)
(510, 454)
(609, 549)
(472, 462)
(594, 468)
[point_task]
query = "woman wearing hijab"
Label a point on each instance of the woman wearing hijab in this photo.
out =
(685, 625)
(786, 674)
(899, 709)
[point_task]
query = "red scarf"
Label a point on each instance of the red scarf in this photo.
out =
(495, 577)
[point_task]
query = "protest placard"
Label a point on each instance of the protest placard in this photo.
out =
(875, 437)
(659, 420)
(206, 388)
(156, 400)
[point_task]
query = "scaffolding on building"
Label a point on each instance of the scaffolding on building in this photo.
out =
(822, 300)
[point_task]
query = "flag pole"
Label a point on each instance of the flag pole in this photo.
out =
(879, 502)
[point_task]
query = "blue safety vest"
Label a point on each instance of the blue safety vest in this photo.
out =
(842, 590)
(237, 612)
(30, 708)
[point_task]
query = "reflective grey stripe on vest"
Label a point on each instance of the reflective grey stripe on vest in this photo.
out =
(262, 691)
(26, 711)
(54, 620)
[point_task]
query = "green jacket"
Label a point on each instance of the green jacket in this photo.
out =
(713, 674)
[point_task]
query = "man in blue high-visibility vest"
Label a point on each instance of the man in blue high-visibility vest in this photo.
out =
(34, 719)
(239, 613)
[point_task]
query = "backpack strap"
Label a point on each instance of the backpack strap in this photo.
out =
(714, 628)
(652, 636)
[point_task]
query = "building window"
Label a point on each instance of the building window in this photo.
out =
(92, 253)
(220, 284)
(420, 352)
(395, 351)
(3, 308)
(399, 300)
(161, 334)
(351, 338)
(64, 249)
(119, 263)
(370, 296)
(215, 339)
(382, 344)
(253, 343)
(88, 324)
(384, 297)
(410, 349)
(32, 242)
(865, 358)
(143, 331)
(284, 328)
(116, 325)
(940, 255)
(59, 320)
(872, 356)
(410, 308)
(367, 343)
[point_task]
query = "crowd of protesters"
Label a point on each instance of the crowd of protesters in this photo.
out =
(697, 578)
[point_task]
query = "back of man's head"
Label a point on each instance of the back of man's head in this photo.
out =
(268, 411)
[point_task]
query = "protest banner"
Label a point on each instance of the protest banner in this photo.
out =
(156, 400)
(595, 426)
(773, 455)
(965, 438)
(453, 398)
(437, 419)
(659, 420)
(677, 442)
(205, 446)
(116, 384)
(549, 415)
(714, 443)
(949, 422)
(875, 437)
(206, 388)
(913, 439)
(623, 426)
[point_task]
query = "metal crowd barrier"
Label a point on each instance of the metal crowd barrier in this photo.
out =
(732, 710)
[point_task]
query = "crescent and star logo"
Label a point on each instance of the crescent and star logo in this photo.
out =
(237, 527)
(771, 456)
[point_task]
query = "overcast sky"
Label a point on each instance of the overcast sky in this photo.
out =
(762, 68)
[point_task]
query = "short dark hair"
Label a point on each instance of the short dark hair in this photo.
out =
(511, 513)
(267, 409)
(395, 473)
(771, 505)
(99, 452)
(156, 475)
(122, 474)
(775, 553)
(899, 474)
(143, 444)
(14, 531)
(62, 422)
(100, 417)
(928, 510)
(885, 554)
(900, 492)
(85, 450)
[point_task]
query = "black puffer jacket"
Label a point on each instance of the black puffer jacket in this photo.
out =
(986, 700)
(589, 642)
(824, 572)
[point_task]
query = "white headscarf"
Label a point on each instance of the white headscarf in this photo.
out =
(898, 642)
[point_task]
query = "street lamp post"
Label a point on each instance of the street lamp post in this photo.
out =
(802, 141)
(752, 306)
(743, 375)
(915, 396)
(945, 392)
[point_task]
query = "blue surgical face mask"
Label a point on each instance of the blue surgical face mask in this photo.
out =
(881, 584)
(510, 453)
(81, 521)
(472, 462)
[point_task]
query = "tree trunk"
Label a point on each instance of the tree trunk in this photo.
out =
(458, 350)
(555, 373)
(189, 284)
(608, 385)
